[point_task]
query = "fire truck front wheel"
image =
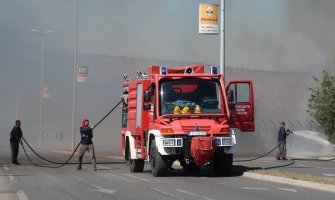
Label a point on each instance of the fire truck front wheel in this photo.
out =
(223, 163)
(135, 165)
(158, 165)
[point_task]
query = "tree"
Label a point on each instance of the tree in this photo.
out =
(321, 103)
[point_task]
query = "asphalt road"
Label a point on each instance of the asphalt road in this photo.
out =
(315, 167)
(114, 181)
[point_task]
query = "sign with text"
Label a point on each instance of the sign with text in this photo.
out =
(82, 74)
(208, 18)
(46, 92)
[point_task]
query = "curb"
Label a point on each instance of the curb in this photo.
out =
(288, 181)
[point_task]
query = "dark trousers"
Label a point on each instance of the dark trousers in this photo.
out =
(82, 149)
(14, 146)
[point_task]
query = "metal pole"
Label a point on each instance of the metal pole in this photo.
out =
(17, 106)
(74, 82)
(42, 68)
(222, 40)
(41, 84)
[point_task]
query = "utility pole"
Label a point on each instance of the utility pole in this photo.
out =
(41, 72)
(222, 39)
(74, 81)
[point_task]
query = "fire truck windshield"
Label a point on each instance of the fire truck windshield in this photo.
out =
(191, 96)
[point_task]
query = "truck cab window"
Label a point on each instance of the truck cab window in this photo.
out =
(178, 94)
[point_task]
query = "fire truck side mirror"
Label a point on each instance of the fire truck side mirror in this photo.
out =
(231, 99)
(231, 96)
(147, 106)
(147, 96)
(231, 105)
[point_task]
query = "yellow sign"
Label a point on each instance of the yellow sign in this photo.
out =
(208, 18)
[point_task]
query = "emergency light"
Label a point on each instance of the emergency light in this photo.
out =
(163, 70)
(214, 70)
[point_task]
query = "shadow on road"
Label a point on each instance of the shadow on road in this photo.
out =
(206, 171)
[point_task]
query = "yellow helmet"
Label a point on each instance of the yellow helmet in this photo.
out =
(186, 110)
(197, 109)
(176, 110)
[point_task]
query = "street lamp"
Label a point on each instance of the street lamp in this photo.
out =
(75, 80)
(42, 66)
(222, 41)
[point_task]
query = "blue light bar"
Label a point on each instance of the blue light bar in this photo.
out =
(214, 70)
(163, 70)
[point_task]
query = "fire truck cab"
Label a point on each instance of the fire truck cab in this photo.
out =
(184, 114)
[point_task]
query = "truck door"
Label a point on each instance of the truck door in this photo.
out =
(241, 105)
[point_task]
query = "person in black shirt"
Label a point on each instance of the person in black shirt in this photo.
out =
(15, 139)
(282, 134)
(86, 144)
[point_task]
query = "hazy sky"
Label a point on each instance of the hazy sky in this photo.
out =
(272, 35)
(260, 34)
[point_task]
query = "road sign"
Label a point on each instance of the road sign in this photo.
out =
(82, 74)
(209, 18)
(44, 135)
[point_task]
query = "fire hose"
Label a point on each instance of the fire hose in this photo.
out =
(252, 159)
(285, 165)
(67, 161)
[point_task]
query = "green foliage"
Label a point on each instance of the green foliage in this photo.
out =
(321, 103)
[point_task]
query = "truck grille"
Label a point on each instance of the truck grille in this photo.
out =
(187, 129)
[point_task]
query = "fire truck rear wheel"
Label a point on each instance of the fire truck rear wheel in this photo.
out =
(223, 163)
(158, 166)
(135, 165)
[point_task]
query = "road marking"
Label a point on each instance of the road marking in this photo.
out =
(193, 194)
(287, 189)
(254, 188)
(5, 168)
(22, 195)
(165, 193)
(12, 178)
(137, 177)
(119, 177)
(331, 175)
(103, 190)
(103, 167)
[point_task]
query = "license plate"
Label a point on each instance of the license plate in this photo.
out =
(169, 142)
(197, 133)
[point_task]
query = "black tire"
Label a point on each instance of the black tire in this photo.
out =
(223, 163)
(135, 165)
(158, 166)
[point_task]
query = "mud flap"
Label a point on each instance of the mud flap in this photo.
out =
(202, 149)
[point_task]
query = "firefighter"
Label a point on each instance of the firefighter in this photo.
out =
(15, 139)
(86, 144)
(282, 134)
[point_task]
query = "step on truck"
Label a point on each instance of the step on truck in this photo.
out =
(183, 114)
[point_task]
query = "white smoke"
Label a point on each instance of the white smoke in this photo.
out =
(308, 144)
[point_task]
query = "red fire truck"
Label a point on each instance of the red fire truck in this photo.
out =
(183, 114)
